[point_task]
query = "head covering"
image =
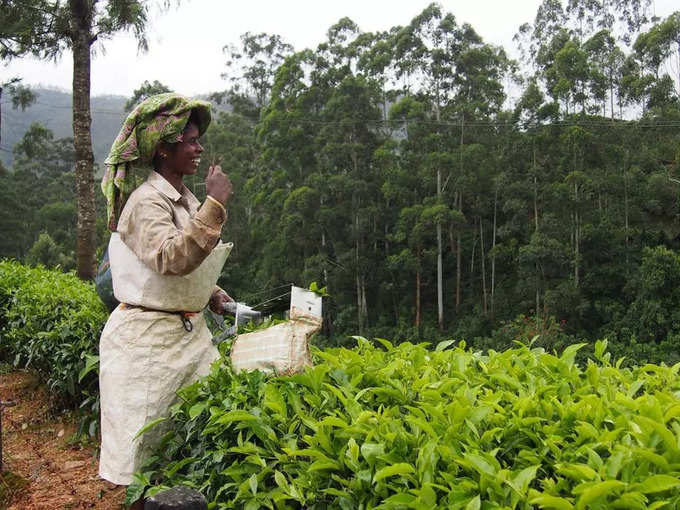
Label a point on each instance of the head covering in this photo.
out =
(159, 118)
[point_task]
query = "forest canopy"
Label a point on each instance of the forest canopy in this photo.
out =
(435, 186)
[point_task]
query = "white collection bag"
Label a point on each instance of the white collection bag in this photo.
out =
(282, 349)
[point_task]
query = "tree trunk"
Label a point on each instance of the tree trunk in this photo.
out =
(459, 257)
(485, 306)
(440, 265)
(440, 255)
(535, 188)
(538, 292)
(81, 18)
(418, 285)
(625, 205)
(577, 238)
(360, 301)
(0, 114)
(493, 246)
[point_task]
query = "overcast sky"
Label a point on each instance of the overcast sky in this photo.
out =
(185, 43)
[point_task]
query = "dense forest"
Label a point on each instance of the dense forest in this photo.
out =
(436, 187)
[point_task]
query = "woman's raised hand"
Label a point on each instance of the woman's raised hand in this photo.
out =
(218, 185)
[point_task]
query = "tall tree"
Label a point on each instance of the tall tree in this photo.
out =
(251, 68)
(46, 29)
(145, 90)
(20, 95)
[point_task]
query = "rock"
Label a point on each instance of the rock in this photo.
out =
(177, 498)
(73, 464)
(60, 433)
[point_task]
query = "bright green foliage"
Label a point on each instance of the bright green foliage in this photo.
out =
(50, 322)
(409, 427)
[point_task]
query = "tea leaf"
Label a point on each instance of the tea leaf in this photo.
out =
(400, 468)
(658, 483)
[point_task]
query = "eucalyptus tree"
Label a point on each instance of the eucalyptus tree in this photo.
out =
(457, 77)
(623, 17)
(347, 139)
(251, 67)
(577, 49)
(145, 90)
(606, 65)
(42, 192)
(653, 49)
(46, 29)
(20, 95)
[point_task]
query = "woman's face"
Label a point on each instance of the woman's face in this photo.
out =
(186, 156)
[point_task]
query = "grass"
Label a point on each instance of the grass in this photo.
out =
(10, 486)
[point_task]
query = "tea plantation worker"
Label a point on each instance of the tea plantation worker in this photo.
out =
(148, 351)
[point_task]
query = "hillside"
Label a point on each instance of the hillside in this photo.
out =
(53, 110)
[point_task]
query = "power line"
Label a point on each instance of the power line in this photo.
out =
(69, 107)
(402, 123)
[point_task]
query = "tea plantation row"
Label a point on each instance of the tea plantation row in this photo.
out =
(379, 426)
(50, 322)
(388, 427)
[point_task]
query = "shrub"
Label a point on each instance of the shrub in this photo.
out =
(51, 322)
(408, 427)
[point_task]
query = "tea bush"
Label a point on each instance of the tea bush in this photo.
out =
(387, 427)
(50, 321)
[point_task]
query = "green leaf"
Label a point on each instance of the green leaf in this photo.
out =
(197, 409)
(520, 482)
(281, 481)
(323, 465)
(232, 416)
(480, 464)
(370, 451)
(400, 468)
(252, 482)
(666, 435)
(596, 491)
(569, 354)
(178, 465)
(578, 472)
(658, 483)
(91, 363)
(443, 345)
(474, 504)
(149, 426)
(549, 502)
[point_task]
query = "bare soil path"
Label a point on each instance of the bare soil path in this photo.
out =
(41, 469)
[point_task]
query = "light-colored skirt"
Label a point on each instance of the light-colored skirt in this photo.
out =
(144, 358)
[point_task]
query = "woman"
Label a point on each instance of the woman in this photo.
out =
(148, 352)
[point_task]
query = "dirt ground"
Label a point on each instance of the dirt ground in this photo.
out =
(41, 470)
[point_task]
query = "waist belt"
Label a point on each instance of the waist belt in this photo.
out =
(184, 316)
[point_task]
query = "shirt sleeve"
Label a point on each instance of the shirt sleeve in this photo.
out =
(151, 234)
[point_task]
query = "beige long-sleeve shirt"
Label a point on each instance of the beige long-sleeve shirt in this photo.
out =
(169, 230)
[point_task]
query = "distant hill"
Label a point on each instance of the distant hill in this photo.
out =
(53, 110)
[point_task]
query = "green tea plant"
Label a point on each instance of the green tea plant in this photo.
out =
(50, 322)
(392, 427)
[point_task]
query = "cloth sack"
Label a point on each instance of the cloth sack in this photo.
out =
(282, 349)
(137, 284)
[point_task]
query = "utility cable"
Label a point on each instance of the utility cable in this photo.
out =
(272, 299)
(265, 291)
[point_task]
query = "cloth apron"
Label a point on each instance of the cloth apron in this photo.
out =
(145, 357)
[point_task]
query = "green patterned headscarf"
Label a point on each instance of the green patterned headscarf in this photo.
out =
(160, 118)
